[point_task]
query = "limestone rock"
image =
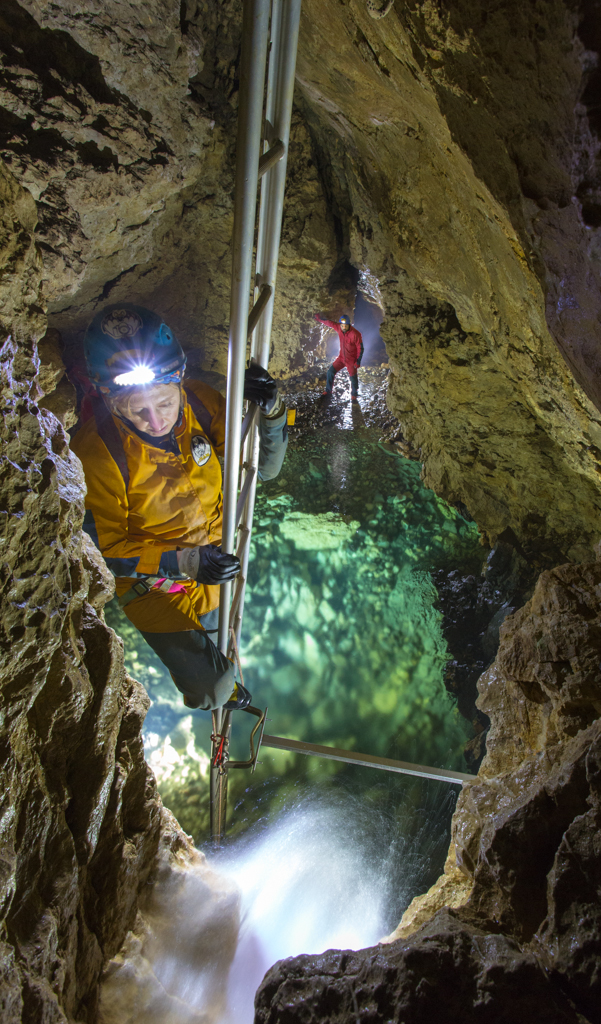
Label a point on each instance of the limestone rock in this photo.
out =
(79, 813)
(186, 928)
(57, 393)
(123, 128)
(459, 199)
(449, 971)
(428, 166)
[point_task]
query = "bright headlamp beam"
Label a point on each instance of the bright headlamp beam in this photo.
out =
(139, 375)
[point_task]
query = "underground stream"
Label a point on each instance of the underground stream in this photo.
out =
(343, 642)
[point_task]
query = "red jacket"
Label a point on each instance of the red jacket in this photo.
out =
(351, 343)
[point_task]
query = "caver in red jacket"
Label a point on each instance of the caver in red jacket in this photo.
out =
(351, 346)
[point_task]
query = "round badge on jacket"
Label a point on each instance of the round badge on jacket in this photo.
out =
(201, 450)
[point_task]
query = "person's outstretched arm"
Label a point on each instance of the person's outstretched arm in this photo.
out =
(328, 323)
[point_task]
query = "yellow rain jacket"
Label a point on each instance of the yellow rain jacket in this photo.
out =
(172, 501)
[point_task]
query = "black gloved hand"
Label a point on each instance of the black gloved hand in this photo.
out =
(208, 564)
(260, 387)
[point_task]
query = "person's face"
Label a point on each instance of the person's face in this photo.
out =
(154, 411)
(345, 326)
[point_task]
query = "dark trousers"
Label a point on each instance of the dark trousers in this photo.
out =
(198, 668)
(333, 370)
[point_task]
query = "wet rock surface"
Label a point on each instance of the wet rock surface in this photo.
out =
(79, 810)
(447, 973)
(474, 607)
(304, 393)
(525, 837)
(459, 202)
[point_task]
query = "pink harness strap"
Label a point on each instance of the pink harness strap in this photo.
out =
(173, 589)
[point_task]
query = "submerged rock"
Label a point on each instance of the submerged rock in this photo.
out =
(317, 532)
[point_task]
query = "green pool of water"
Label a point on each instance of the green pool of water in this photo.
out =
(341, 640)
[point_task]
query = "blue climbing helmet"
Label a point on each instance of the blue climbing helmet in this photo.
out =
(344, 319)
(127, 345)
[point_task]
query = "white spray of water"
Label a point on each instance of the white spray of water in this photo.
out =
(306, 887)
(303, 885)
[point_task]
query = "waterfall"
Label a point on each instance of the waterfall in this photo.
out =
(304, 884)
(307, 884)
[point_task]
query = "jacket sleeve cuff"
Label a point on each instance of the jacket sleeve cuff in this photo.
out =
(168, 566)
(276, 412)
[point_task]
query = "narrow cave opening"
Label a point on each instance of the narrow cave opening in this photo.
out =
(425, 573)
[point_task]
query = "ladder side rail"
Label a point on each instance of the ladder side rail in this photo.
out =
(247, 523)
(284, 49)
(285, 20)
(253, 60)
(255, 28)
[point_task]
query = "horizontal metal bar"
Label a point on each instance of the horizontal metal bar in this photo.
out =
(271, 157)
(255, 314)
(247, 422)
(248, 479)
(367, 760)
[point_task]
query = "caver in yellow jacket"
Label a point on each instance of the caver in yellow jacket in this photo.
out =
(171, 502)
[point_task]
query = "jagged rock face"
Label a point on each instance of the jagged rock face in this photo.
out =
(445, 138)
(79, 816)
(524, 874)
(447, 154)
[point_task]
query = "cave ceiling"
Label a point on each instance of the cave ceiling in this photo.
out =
(445, 157)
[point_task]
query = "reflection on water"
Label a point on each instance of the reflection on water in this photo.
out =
(341, 639)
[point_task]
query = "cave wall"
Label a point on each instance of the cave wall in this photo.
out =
(121, 121)
(455, 145)
(445, 156)
(79, 812)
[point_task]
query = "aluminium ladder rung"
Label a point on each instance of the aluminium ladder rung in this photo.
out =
(259, 307)
(271, 157)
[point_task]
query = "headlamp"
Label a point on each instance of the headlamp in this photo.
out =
(139, 375)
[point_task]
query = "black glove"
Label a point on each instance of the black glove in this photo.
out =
(260, 387)
(208, 564)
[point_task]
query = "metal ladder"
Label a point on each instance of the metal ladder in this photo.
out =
(264, 113)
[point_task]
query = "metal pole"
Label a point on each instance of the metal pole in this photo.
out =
(367, 760)
(255, 25)
(285, 17)
(278, 113)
